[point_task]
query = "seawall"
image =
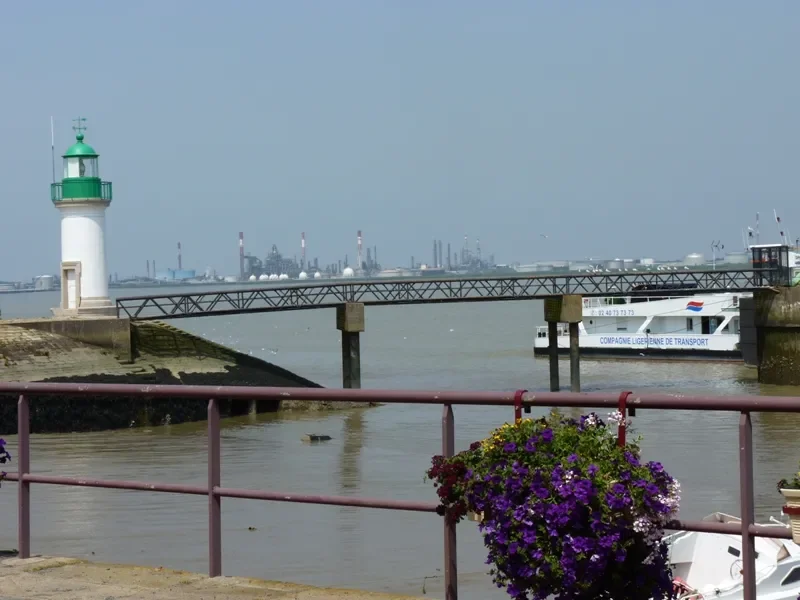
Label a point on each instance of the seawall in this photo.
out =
(110, 350)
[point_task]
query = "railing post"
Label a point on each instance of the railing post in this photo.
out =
(518, 405)
(214, 501)
(450, 557)
(747, 505)
(24, 487)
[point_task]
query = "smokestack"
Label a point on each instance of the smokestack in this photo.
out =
(375, 256)
(360, 260)
(148, 268)
(433, 264)
(449, 262)
(441, 260)
(154, 268)
(179, 257)
(303, 250)
(241, 255)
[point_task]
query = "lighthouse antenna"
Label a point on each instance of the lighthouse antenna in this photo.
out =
(53, 147)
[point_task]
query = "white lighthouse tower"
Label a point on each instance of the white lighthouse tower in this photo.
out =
(82, 199)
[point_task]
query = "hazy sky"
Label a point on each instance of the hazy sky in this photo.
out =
(617, 128)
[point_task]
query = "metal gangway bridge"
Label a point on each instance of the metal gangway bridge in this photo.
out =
(260, 297)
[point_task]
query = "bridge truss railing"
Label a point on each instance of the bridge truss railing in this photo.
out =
(521, 400)
(381, 292)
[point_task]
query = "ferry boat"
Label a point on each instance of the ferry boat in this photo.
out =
(677, 326)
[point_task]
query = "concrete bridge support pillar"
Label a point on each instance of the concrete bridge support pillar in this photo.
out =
(564, 309)
(777, 320)
(350, 321)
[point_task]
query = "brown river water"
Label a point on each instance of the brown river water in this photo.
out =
(380, 452)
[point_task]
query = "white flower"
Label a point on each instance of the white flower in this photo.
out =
(642, 525)
(615, 418)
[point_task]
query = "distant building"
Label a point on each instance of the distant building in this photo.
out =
(175, 274)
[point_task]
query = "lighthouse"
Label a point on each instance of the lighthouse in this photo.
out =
(82, 198)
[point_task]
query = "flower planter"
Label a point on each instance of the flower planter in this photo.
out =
(792, 508)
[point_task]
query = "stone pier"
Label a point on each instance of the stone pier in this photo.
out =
(777, 321)
(564, 309)
(350, 321)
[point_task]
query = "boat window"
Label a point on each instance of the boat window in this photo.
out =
(792, 577)
(689, 324)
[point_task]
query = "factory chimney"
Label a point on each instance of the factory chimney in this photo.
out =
(154, 268)
(241, 255)
(303, 251)
(441, 260)
(360, 259)
(148, 268)
(433, 264)
(449, 263)
(179, 257)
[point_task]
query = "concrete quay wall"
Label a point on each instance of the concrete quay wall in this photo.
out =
(110, 350)
(777, 320)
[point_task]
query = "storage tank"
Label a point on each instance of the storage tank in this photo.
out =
(737, 258)
(252, 278)
(44, 282)
(348, 272)
(263, 277)
(303, 275)
(695, 259)
(645, 262)
(617, 263)
(317, 275)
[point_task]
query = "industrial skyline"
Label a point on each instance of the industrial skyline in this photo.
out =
(601, 149)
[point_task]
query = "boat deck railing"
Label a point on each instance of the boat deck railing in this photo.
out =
(521, 400)
(606, 301)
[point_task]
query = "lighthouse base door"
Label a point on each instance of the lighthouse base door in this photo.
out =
(70, 285)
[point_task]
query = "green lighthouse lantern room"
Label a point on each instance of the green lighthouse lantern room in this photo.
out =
(81, 182)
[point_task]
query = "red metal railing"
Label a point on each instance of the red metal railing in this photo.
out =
(520, 400)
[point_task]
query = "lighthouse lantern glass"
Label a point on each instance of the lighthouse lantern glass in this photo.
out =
(80, 166)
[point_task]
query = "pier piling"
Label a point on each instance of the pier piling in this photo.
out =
(574, 359)
(552, 346)
(564, 309)
(350, 321)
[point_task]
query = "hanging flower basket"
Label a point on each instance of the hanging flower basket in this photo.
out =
(564, 509)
